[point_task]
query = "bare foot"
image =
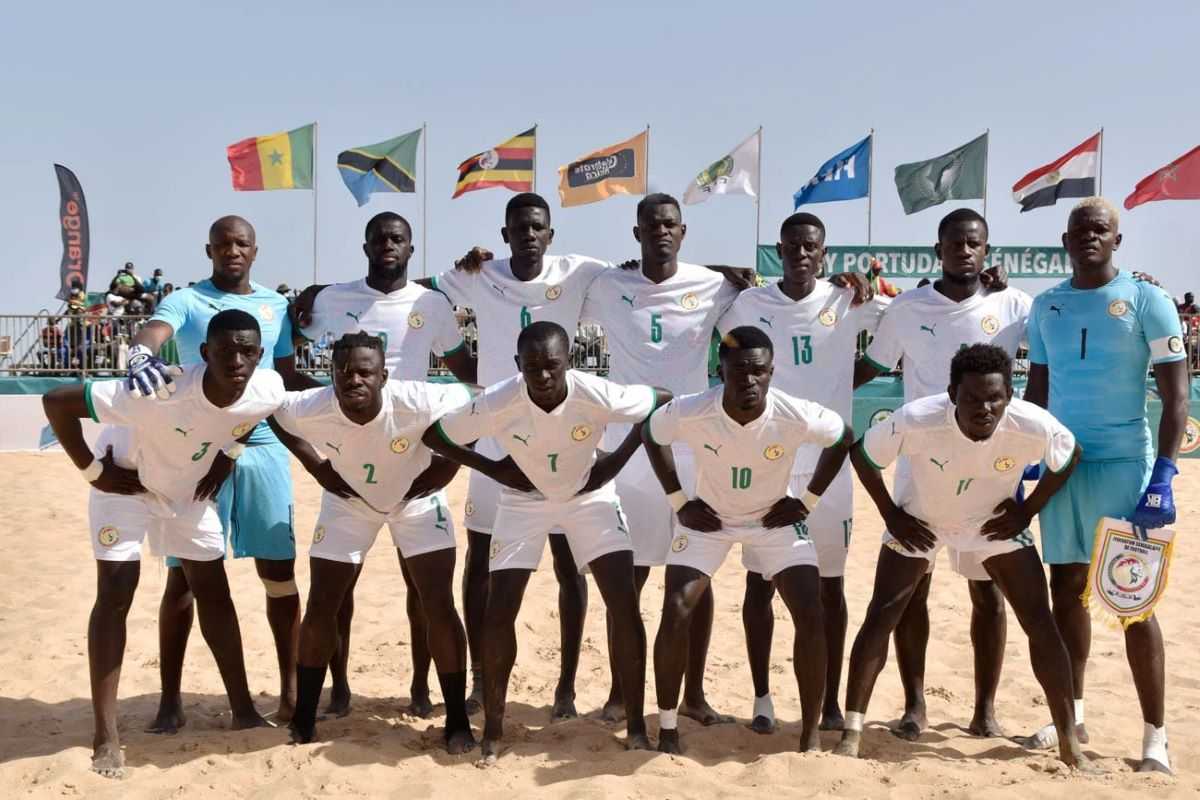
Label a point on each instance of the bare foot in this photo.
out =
(564, 707)
(421, 706)
(832, 719)
(459, 741)
(287, 709)
(339, 702)
(849, 744)
(763, 725)
(170, 717)
(811, 744)
(475, 699)
(638, 741)
(1152, 765)
(911, 725)
(299, 736)
(703, 713)
(252, 719)
(668, 742)
(1046, 738)
(985, 725)
(1081, 764)
(489, 751)
(108, 761)
(614, 709)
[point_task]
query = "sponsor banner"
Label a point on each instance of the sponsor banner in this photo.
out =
(1128, 573)
(73, 219)
(921, 262)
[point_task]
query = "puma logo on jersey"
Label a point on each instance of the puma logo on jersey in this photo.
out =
(498, 288)
(1057, 309)
(185, 432)
(930, 329)
(441, 526)
(353, 316)
(940, 464)
(523, 439)
(629, 299)
(335, 447)
(716, 451)
(766, 321)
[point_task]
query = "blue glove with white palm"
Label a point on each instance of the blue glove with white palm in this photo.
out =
(149, 374)
(1157, 506)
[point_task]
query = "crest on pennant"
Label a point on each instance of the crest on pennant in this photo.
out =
(1128, 574)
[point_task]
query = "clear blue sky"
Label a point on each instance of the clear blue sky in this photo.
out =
(140, 99)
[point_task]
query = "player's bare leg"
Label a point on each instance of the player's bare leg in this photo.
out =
(695, 705)
(340, 696)
(115, 585)
(475, 595)
(283, 615)
(835, 620)
(800, 588)
(176, 611)
(912, 639)
(1067, 582)
(614, 574)
(505, 594)
(758, 621)
(1147, 660)
(989, 632)
(330, 586)
(614, 706)
(572, 611)
(684, 589)
(421, 705)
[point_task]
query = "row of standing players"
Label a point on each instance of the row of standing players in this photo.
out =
(657, 319)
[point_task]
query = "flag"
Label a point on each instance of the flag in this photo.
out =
(1179, 180)
(960, 174)
(509, 164)
(736, 173)
(279, 161)
(73, 218)
(846, 176)
(389, 166)
(1072, 175)
(616, 169)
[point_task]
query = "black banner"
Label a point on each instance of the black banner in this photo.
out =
(72, 215)
(621, 164)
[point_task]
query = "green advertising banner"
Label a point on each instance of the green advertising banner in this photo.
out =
(920, 262)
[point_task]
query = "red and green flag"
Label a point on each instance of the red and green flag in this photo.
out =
(279, 161)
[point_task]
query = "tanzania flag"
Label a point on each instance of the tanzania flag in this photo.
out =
(509, 165)
(389, 166)
(278, 161)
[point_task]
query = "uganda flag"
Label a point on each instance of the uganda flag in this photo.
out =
(389, 166)
(278, 161)
(509, 165)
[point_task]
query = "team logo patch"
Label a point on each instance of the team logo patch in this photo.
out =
(1004, 464)
(495, 550)
(400, 446)
(488, 160)
(990, 325)
(580, 432)
(416, 321)
(553, 292)
(1128, 572)
(774, 452)
(1175, 344)
(827, 317)
(108, 536)
(469, 508)
(879, 416)
(266, 312)
(1191, 436)
(679, 544)
(1118, 308)
(319, 534)
(690, 301)
(242, 429)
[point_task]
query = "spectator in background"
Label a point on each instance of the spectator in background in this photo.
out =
(154, 286)
(878, 282)
(118, 296)
(167, 289)
(127, 281)
(1188, 306)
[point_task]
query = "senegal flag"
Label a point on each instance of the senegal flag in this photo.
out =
(278, 161)
(389, 166)
(508, 165)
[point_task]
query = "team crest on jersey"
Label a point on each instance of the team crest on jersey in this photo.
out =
(879, 416)
(580, 432)
(108, 536)
(990, 325)
(1191, 436)
(827, 317)
(495, 551)
(469, 508)
(1004, 463)
(416, 321)
(400, 445)
(1118, 308)
(242, 429)
(774, 452)
(319, 534)
(266, 312)
(1175, 344)
(679, 544)
(689, 301)
(553, 292)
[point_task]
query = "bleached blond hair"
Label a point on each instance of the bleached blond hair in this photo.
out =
(1101, 204)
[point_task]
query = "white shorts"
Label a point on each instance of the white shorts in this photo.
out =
(651, 520)
(769, 550)
(346, 529)
(483, 493)
(119, 523)
(830, 525)
(593, 523)
(967, 550)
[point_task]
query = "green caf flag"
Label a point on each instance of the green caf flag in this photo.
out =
(957, 175)
(389, 166)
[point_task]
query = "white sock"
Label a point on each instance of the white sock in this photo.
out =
(854, 721)
(668, 720)
(1079, 711)
(1154, 744)
(763, 707)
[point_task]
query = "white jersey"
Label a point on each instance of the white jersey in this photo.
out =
(504, 305)
(381, 458)
(957, 482)
(926, 329)
(412, 321)
(555, 449)
(173, 442)
(743, 470)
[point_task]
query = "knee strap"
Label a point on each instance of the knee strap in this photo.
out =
(281, 588)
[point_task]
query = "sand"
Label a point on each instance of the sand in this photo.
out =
(46, 719)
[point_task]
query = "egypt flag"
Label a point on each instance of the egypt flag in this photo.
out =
(508, 165)
(1073, 175)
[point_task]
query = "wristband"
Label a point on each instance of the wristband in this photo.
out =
(810, 501)
(677, 499)
(93, 471)
(234, 451)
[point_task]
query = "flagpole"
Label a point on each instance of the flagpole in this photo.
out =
(1100, 166)
(646, 178)
(314, 182)
(424, 198)
(758, 199)
(986, 146)
(535, 158)
(870, 180)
